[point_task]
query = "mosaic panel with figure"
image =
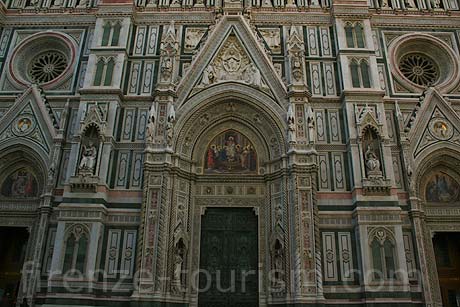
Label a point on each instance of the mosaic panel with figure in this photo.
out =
(230, 152)
(21, 183)
(441, 188)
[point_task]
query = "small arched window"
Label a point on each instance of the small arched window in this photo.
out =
(360, 75)
(366, 82)
(106, 34)
(383, 255)
(104, 72)
(76, 249)
(355, 74)
(99, 71)
(116, 34)
(359, 35)
(111, 33)
(349, 35)
(354, 34)
(109, 72)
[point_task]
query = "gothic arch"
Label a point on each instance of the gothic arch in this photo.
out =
(230, 106)
(443, 161)
(21, 156)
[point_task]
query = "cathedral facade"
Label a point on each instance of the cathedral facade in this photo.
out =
(229, 153)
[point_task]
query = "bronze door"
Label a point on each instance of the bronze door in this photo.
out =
(229, 258)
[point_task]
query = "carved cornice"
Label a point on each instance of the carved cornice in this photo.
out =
(44, 20)
(158, 16)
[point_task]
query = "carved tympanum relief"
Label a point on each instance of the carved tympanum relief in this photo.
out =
(232, 63)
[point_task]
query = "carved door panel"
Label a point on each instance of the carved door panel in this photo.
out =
(229, 258)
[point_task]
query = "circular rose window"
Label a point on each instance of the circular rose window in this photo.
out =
(47, 66)
(419, 68)
(420, 60)
(45, 58)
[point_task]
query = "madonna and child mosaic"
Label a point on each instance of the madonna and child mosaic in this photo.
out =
(20, 184)
(442, 188)
(230, 152)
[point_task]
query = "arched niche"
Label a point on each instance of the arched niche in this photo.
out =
(253, 111)
(439, 178)
(372, 152)
(21, 174)
(197, 129)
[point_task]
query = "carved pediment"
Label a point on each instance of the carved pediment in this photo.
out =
(433, 122)
(30, 118)
(366, 118)
(232, 53)
(95, 116)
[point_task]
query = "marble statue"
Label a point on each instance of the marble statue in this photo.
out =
(372, 161)
(88, 158)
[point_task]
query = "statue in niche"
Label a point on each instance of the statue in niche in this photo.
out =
(278, 255)
(230, 152)
(89, 151)
(371, 154)
(372, 162)
(384, 4)
(88, 158)
(151, 125)
(170, 125)
(179, 256)
(291, 130)
(311, 125)
(296, 66)
(166, 68)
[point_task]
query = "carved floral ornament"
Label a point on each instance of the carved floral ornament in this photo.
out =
(381, 234)
(77, 230)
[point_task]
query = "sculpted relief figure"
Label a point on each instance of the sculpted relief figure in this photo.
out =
(232, 64)
(151, 125)
(311, 124)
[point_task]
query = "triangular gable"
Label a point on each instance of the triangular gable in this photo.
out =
(435, 122)
(29, 119)
(232, 53)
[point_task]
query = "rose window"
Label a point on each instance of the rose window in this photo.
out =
(419, 69)
(47, 66)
